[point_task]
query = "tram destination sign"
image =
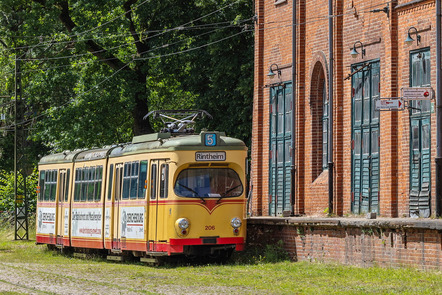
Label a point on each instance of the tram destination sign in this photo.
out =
(387, 104)
(210, 156)
(417, 93)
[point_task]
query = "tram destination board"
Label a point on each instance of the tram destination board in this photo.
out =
(390, 104)
(417, 93)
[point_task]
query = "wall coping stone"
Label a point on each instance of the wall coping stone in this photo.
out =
(392, 223)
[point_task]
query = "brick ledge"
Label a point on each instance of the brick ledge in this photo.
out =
(395, 223)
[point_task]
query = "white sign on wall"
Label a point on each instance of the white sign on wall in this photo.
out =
(389, 104)
(417, 93)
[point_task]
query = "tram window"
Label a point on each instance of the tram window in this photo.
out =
(153, 181)
(111, 176)
(47, 187)
(42, 185)
(134, 180)
(54, 185)
(208, 183)
(142, 180)
(126, 181)
(90, 183)
(98, 181)
(50, 185)
(77, 185)
(66, 192)
(84, 179)
(164, 180)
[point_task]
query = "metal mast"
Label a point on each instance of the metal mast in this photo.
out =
(21, 199)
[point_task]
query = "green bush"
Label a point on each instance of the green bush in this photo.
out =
(262, 254)
(7, 197)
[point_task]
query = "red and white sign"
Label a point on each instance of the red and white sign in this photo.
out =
(417, 93)
(389, 104)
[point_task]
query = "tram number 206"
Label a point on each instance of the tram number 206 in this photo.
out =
(210, 227)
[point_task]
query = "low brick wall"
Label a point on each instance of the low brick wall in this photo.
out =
(355, 241)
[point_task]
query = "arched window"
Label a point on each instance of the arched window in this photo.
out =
(319, 121)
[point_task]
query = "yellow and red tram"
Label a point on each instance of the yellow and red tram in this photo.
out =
(162, 194)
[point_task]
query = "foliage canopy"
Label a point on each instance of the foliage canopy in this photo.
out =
(90, 70)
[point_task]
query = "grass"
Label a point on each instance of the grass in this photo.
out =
(257, 271)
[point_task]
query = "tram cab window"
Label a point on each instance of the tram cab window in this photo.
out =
(208, 183)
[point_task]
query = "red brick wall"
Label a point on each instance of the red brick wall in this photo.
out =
(359, 242)
(383, 38)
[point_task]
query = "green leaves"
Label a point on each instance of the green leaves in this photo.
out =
(7, 196)
(90, 71)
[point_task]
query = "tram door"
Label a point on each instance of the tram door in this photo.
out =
(116, 226)
(62, 224)
(159, 179)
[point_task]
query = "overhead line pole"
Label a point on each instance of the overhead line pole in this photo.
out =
(20, 194)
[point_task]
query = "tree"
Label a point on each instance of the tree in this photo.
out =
(92, 69)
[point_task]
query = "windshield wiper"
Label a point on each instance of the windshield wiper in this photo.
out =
(193, 191)
(223, 195)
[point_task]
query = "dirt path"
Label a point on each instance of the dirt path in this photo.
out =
(90, 279)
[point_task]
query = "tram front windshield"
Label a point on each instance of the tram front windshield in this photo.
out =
(208, 183)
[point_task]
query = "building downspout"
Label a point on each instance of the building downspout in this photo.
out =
(294, 117)
(330, 108)
(438, 113)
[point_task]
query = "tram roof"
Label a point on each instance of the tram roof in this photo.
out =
(155, 142)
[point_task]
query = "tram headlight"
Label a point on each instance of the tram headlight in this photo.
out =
(182, 226)
(183, 223)
(235, 222)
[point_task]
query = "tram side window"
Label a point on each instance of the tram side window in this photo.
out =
(111, 178)
(91, 183)
(142, 180)
(77, 185)
(164, 181)
(88, 182)
(41, 185)
(153, 181)
(134, 178)
(98, 182)
(126, 180)
(50, 184)
(66, 193)
(84, 181)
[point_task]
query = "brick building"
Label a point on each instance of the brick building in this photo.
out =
(383, 161)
